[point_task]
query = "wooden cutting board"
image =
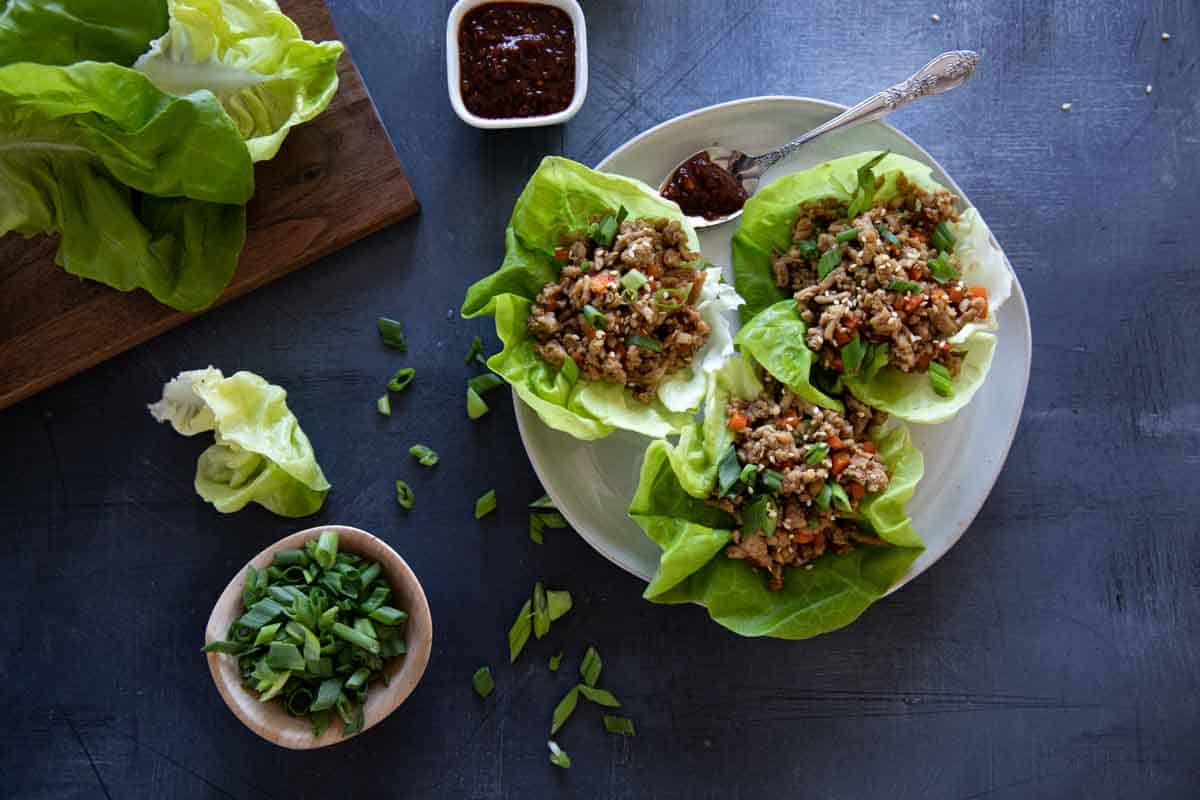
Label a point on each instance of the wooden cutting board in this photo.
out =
(336, 180)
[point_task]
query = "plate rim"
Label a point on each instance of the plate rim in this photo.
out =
(520, 408)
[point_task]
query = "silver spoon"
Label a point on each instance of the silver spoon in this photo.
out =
(943, 73)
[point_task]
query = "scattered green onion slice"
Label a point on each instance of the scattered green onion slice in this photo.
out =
(645, 343)
(840, 498)
(476, 407)
(384, 405)
(761, 514)
(600, 697)
(848, 235)
(853, 354)
(476, 352)
(941, 269)
(594, 317)
(564, 710)
(404, 494)
(402, 379)
(558, 603)
(327, 548)
(424, 455)
(887, 234)
(748, 473)
(824, 497)
(619, 725)
(633, 281)
(864, 194)
(939, 379)
(486, 504)
(558, 756)
(392, 334)
(590, 668)
(482, 384)
(807, 248)
(518, 633)
(943, 239)
(728, 471)
(816, 454)
(483, 682)
(772, 480)
(908, 287)
(555, 661)
(541, 614)
(831, 259)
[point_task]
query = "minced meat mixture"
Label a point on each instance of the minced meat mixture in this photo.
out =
(884, 287)
(631, 332)
(807, 447)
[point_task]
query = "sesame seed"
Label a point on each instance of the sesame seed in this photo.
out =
(1065, 106)
(936, 17)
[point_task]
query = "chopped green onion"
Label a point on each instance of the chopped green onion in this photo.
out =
(585, 265)
(229, 648)
(554, 662)
(644, 342)
(536, 527)
(907, 287)
(831, 259)
(564, 710)
(476, 352)
(266, 634)
(816, 454)
(284, 655)
(600, 697)
(287, 558)
(355, 637)
(569, 370)
(486, 504)
(384, 405)
(772, 480)
(482, 384)
(839, 496)
(558, 603)
(864, 194)
(476, 407)
(590, 668)
(594, 317)
(728, 471)
(327, 694)
(848, 235)
(633, 281)
(807, 247)
(327, 548)
(404, 494)
(941, 268)
(939, 379)
(760, 515)
(402, 379)
(424, 455)
(748, 473)
(942, 238)
(358, 679)
(542, 502)
(853, 354)
(558, 756)
(391, 334)
(483, 682)
(887, 234)
(518, 633)
(386, 615)
(541, 614)
(618, 725)
(824, 497)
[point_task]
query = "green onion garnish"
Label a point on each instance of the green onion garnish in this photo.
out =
(760, 515)
(772, 481)
(633, 281)
(618, 725)
(486, 504)
(555, 662)
(424, 455)
(404, 495)
(807, 248)
(558, 603)
(728, 471)
(594, 317)
(604, 231)
(564, 710)
(831, 259)
(601, 697)
(848, 235)
(887, 234)
(476, 407)
(816, 454)
(853, 354)
(391, 334)
(907, 287)
(518, 633)
(482, 384)
(939, 379)
(942, 238)
(476, 352)
(384, 405)
(483, 682)
(823, 497)
(402, 379)
(590, 668)
(541, 614)
(941, 268)
(839, 496)
(748, 473)
(645, 343)
(558, 756)
(864, 194)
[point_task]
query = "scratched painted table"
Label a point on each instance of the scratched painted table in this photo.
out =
(1052, 654)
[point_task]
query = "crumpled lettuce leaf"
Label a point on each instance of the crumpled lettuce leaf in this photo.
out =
(766, 228)
(669, 505)
(261, 455)
(267, 76)
(561, 197)
(145, 190)
(63, 32)
(775, 339)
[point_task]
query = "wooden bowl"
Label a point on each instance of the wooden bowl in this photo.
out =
(270, 720)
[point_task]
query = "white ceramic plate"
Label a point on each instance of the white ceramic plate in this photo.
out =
(592, 483)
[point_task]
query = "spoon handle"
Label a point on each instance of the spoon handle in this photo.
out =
(943, 73)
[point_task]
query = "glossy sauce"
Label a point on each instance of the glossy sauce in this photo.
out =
(702, 189)
(516, 60)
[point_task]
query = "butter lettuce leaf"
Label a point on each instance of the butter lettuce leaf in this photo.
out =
(775, 339)
(62, 32)
(561, 197)
(766, 228)
(145, 190)
(261, 455)
(267, 76)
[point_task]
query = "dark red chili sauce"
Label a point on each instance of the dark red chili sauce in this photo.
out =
(702, 189)
(516, 60)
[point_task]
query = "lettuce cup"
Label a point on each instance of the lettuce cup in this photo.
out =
(780, 516)
(608, 318)
(895, 284)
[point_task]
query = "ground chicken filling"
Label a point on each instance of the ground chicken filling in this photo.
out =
(624, 305)
(893, 280)
(807, 466)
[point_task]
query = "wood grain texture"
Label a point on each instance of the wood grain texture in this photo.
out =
(336, 180)
(1053, 654)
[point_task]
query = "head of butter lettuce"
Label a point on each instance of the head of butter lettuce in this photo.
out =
(561, 197)
(670, 506)
(766, 228)
(260, 456)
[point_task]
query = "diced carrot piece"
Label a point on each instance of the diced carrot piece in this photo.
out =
(914, 272)
(979, 291)
(737, 422)
(842, 337)
(841, 460)
(835, 443)
(790, 420)
(870, 447)
(956, 293)
(601, 281)
(804, 538)
(856, 490)
(561, 255)
(911, 302)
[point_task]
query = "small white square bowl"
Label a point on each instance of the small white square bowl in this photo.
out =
(460, 10)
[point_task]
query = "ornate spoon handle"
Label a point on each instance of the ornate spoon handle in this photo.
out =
(943, 73)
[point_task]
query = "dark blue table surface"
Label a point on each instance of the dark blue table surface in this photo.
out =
(1052, 654)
